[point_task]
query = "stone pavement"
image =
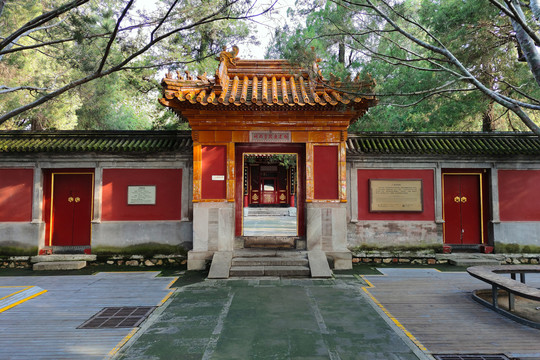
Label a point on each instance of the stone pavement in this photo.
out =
(403, 314)
(269, 319)
(45, 326)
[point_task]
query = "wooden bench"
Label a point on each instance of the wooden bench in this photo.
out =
(492, 276)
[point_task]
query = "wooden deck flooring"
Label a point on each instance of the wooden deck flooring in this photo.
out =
(46, 327)
(438, 310)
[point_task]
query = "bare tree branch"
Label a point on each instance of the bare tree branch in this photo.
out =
(512, 104)
(5, 89)
(513, 14)
(218, 15)
(113, 36)
(40, 20)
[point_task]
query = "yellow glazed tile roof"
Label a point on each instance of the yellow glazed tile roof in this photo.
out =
(266, 83)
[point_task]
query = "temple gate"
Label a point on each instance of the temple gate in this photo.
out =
(266, 107)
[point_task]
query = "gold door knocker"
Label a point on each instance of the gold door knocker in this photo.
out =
(70, 199)
(77, 199)
(463, 199)
(457, 199)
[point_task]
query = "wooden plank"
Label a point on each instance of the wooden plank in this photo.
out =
(438, 310)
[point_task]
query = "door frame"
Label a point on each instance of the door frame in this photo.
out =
(298, 149)
(482, 198)
(48, 195)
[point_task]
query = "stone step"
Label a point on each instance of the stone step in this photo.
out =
(62, 257)
(270, 261)
(473, 262)
(268, 253)
(273, 242)
(281, 211)
(292, 271)
(59, 265)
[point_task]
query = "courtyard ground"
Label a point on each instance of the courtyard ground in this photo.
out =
(400, 313)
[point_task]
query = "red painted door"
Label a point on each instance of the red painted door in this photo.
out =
(462, 209)
(71, 209)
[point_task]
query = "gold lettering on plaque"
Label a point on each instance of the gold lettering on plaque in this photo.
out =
(395, 195)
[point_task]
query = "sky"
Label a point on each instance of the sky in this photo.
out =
(265, 24)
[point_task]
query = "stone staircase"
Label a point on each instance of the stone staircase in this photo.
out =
(260, 263)
(270, 263)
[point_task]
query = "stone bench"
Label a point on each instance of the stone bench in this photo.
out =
(492, 275)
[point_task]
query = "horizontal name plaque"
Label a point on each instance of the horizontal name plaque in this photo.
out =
(141, 195)
(218, 177)
(394, 195)
(270, 136)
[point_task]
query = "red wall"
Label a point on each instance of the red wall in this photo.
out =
(325, 172)
(16, 194)
(363, 194)
(519, 195)
(214, 162)
(168, 184)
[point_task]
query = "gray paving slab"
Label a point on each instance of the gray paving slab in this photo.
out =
(269, 319)
(58, 265)
(45, 327)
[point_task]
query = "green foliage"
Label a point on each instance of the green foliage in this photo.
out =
(285, 160)
(18, 251)
(121, 100)
(410, 82)
(147, 249)
(428, 248)
(513, 248)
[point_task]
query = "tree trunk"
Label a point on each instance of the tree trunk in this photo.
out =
(487, 118)
(341, 55)
(527, 44)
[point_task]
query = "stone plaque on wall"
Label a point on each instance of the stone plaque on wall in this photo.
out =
(395, 195)
(270, 136)
(141, 195)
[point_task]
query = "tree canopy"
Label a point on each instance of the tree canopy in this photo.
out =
(91, 64)
(439, 65)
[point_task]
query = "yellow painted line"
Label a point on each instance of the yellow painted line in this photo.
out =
(391, 317)
(21, 301)
(16, 292)
(172, 282)
(170, 292)
(165, 298)
(134, 330)
(122, 342)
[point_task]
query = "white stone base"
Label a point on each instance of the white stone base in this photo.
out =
(327, 231)
(197, 260)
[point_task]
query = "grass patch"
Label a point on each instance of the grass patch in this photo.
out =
(147, 249)
(432, 248)
(371, 269)
(190, 277)
(6, 251)
(513, 248)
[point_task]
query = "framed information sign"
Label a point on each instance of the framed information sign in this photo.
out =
(141, 195)
(395, 195)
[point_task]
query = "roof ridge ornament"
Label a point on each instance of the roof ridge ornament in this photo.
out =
(229, 57)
